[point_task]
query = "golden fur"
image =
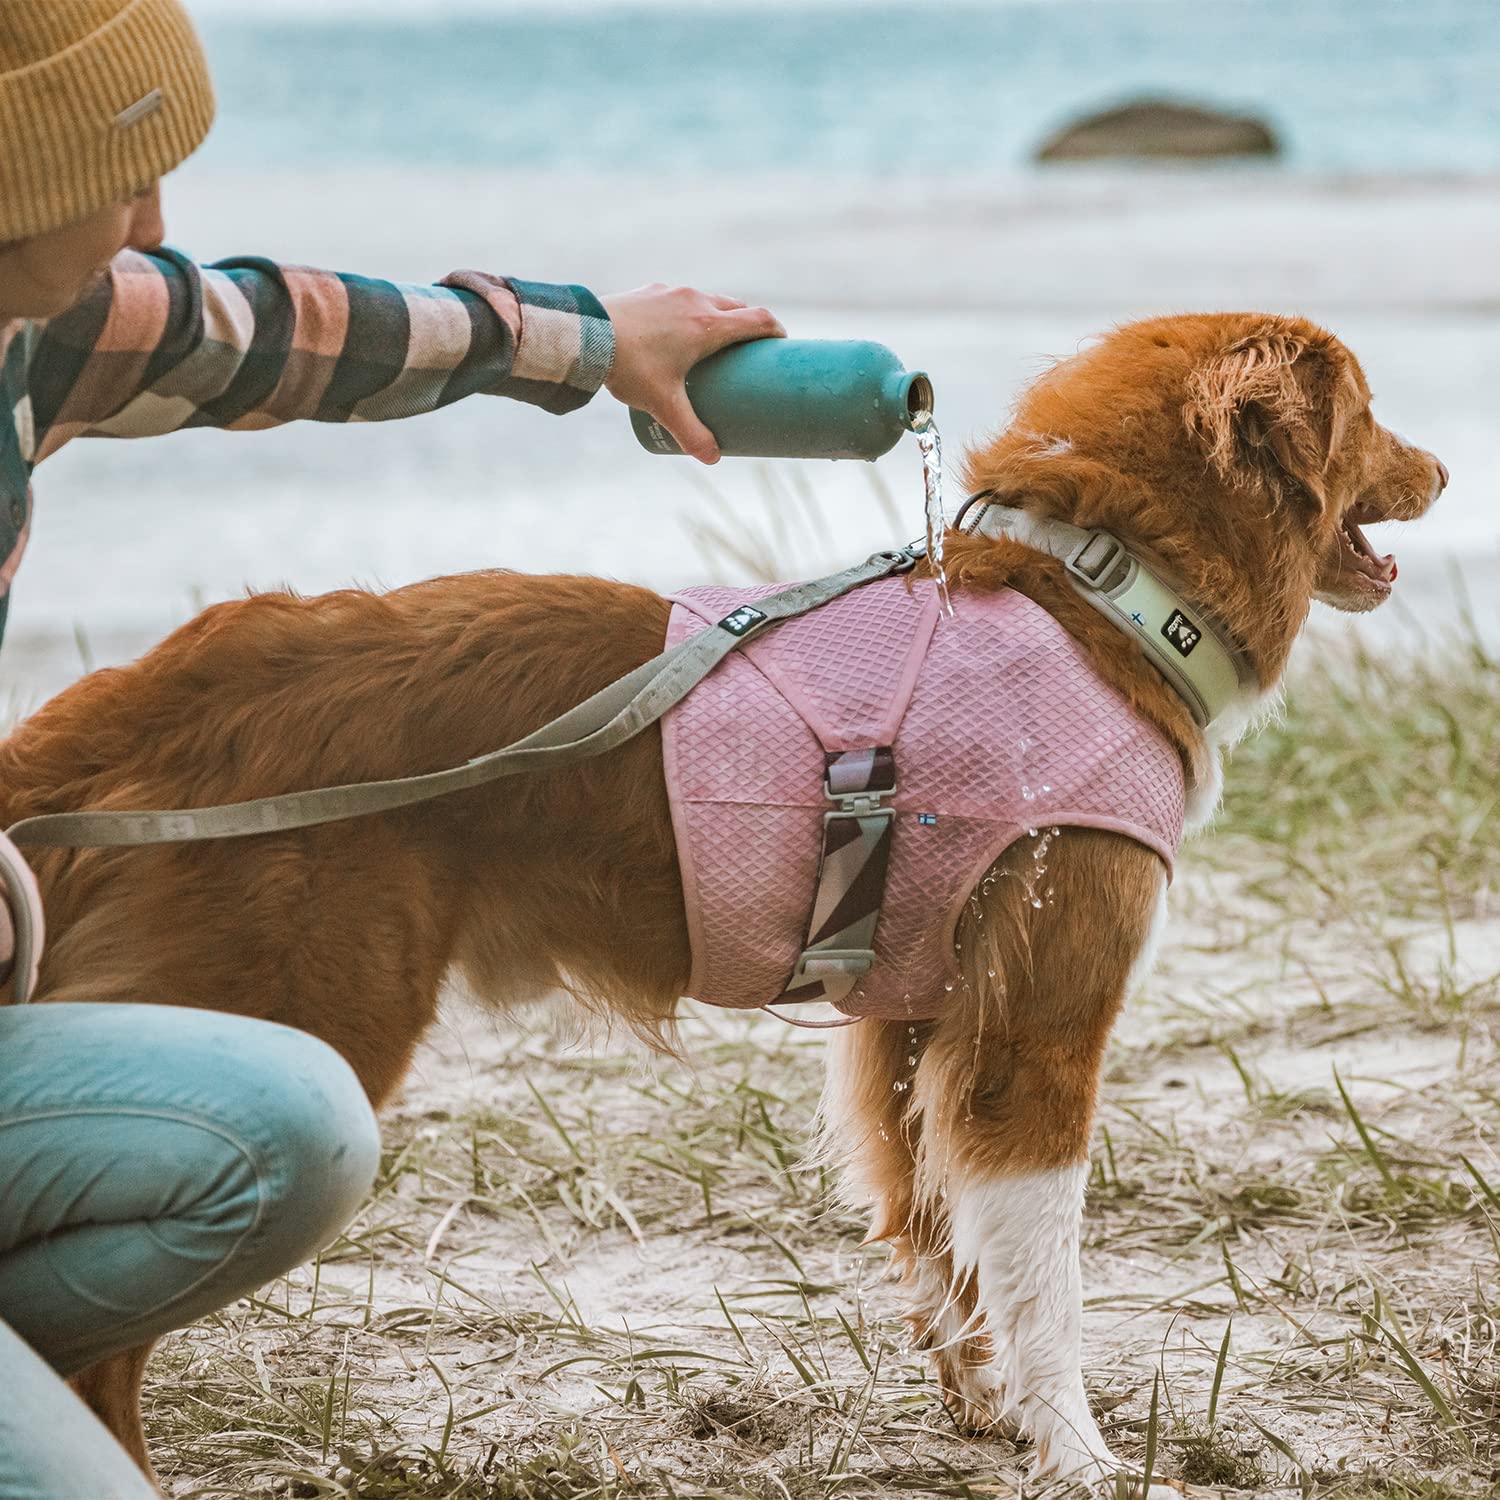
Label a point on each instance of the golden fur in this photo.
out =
(1227, 449)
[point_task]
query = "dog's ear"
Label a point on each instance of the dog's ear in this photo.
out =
(1273, 407)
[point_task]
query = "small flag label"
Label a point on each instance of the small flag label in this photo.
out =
(927, 820)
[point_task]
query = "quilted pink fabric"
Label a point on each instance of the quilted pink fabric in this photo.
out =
(999, 726)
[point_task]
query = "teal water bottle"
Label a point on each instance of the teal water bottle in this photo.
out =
(800, 398)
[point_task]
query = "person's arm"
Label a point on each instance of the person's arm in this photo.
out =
(161, 343)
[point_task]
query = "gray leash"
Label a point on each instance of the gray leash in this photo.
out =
(612, 716)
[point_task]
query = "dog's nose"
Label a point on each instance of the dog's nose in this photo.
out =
(1442, 472)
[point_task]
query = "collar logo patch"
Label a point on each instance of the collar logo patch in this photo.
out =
(742, 621)
(1182, 633)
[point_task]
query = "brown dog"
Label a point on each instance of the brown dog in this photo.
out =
(1236, 453)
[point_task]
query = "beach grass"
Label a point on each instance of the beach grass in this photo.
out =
(586, 1273)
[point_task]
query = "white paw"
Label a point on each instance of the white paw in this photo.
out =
(1066, 1458)
(976, 1399)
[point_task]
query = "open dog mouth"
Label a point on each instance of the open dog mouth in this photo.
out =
(1360, 557)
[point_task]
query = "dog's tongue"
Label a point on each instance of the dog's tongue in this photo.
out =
(1386, 565)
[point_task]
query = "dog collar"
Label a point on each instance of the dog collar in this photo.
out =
(1175, 637)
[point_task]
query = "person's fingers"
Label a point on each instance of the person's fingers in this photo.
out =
(740, 324)
(679, 418)
(726, 304)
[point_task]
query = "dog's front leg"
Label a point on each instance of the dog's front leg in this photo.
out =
(1006, 1091)
(1018, 1237)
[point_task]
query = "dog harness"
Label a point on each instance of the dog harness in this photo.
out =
(922, 753)
(841, 784)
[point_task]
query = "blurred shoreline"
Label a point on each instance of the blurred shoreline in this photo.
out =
(980, 279)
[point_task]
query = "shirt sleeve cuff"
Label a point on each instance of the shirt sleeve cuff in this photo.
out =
(564, 341)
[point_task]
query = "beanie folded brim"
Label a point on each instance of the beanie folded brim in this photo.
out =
(101, 120)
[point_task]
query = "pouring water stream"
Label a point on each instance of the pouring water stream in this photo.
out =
(931, 445)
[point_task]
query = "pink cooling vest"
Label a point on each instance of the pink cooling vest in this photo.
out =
(999, 727)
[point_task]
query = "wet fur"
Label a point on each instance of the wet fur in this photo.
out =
(1226, 448)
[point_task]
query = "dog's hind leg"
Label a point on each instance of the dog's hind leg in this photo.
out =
(1006, 1090)
(111, 1389)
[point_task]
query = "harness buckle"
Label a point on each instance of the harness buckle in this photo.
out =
(869, 806)
(872, 803)
(1092, 566)
(839, 948)
(829, 963)
(859, 782)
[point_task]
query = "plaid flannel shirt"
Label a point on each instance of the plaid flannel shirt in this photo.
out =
(161, 343)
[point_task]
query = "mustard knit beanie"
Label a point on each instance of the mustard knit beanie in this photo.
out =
(98, 98)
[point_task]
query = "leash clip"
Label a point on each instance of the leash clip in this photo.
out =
(905, 558)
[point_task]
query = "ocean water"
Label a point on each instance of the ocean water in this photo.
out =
(860, 168)
(870, 87)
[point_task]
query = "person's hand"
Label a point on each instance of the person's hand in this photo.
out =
(7, 940)
(661, 332)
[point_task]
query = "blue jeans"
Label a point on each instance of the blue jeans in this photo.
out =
(155, 1163)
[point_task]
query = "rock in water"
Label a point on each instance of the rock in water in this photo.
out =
(1160, 128)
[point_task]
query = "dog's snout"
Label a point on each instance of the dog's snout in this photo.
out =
(1442, 469)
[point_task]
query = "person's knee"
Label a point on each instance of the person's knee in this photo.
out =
(324, 1144)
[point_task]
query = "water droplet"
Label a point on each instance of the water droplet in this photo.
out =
(1032, 832)
(911, 1061)
(949, 986)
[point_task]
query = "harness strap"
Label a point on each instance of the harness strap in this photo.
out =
(840, 945)
(601, 723)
